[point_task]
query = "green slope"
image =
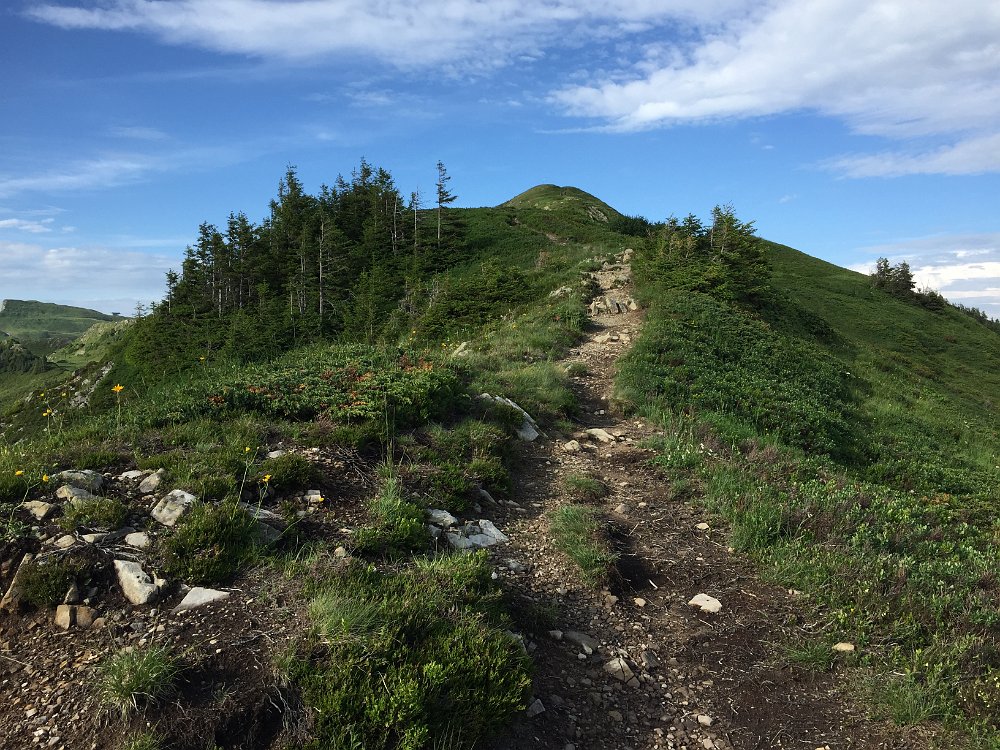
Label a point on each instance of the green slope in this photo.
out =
(851, 440)
(44, 326)
(565, 200)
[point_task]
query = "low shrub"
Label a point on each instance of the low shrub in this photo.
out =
(95, 513)
(412, 658)
(212, 544)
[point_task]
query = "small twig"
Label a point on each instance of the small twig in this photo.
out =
(16, 661)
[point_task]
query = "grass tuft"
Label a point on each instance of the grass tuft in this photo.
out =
(577, 533)
(130, 679)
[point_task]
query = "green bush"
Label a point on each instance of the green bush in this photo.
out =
(290, 471)
(584, 488)
(398, 527)
(45, 583)
(412, 656)
(96, 513)
(697, 351)
(211, 544)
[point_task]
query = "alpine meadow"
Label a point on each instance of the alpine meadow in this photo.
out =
(380, 472)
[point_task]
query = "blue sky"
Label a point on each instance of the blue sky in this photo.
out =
(848, 129)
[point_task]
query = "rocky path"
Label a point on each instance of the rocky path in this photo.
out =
(635, 665)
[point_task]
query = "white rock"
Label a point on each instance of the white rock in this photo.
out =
(534, 709)
(66, 541)
(173, 505)
(74, 494)
(705, 720)
(85, 479)
(601, 435)
(152, 482)
(442, 518)
(573, 446)
(492, 531)
(138, 539)
(131, 476)
(702, 526)
(843, 647)
(39, 509)
(136, 584)
(639, 601)
(199, 596)
(706, 603)
(275, 454)
(619, 669)
(584, 641)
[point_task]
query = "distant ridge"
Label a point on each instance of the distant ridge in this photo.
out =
(549, 197)
(45, 326)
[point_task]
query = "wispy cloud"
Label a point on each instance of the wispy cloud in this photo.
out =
(139, 133)
(976, 155)
(890, 68)
(27, 225)
(963, 267)
(104, 171)
(116, 169)
(477, 33)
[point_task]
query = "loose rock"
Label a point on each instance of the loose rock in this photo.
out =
(706, 603)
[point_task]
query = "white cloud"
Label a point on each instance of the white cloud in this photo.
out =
(27, 225)
(98, 277)
(116, 169)
(402, 33)
(974, 155)
(105, 171)
(963, 267)
(893, 68)
(138, 132)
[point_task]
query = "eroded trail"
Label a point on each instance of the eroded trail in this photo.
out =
(635, 666)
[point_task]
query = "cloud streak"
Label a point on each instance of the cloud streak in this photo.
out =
(482, 33)
(890, 68)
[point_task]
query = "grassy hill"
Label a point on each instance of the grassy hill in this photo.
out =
(848, 436)
(44, 327)
(569, 201)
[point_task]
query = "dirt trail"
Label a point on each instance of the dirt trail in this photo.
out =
(700, 680)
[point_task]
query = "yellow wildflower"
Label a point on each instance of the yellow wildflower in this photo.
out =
(267, 478)
(45, 477)
(118, 388)
(19, 472)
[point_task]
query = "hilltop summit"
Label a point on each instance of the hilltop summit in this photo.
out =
(549, 197)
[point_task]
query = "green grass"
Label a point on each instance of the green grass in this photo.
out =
(460, 667)
(398, 527)
(849, 439)
(584, 488)
(130, 679)
(211, 543)
(577, 532)
(96, 513)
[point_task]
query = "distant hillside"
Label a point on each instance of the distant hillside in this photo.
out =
(563, 199)
(16, 358)
(43, 327)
